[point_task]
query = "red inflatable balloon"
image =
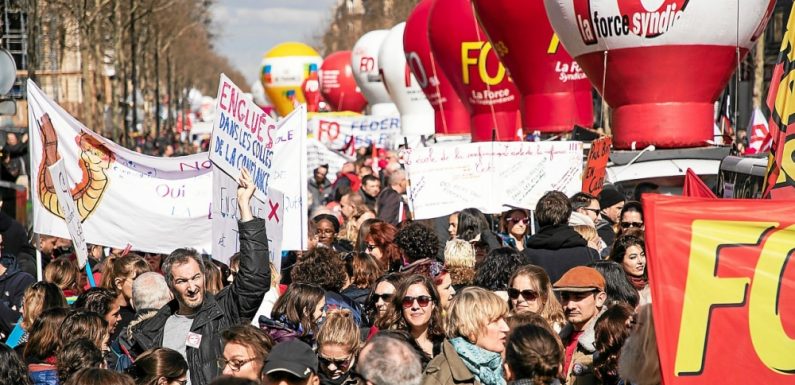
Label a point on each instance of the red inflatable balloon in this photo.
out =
(337, 84)
(663, 63)
(452, 116)
(466, 57)
(311, 88)
(556, 94)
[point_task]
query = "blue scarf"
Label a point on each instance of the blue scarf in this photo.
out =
(485, 365)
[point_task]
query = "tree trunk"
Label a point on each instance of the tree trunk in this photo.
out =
(759, 72)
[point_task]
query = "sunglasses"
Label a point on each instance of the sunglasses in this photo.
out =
(423, 301)
(370, 247)
(341, 364)
(627, 225)
(514, 220)
(386, 297)
(527, 294)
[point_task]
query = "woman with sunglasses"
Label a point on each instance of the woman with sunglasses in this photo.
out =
(159, 366)
(477, 333)
(415, 308)
(529, 289)
(380, 243)
(515, 225)
(338, 343)
(629, 252)
(631, 217)
(441, 278)
(381, 296)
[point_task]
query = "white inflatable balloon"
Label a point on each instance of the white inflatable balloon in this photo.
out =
(416, 113)
(364, 61)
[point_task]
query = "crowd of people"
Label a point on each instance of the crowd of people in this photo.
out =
(558, 295)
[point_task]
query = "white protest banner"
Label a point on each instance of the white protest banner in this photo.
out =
(288, 175)
(225, 215)
(336, 132)
(155, 204)
(317, 154)
(490, 175)
(240, 136)
(62, 184)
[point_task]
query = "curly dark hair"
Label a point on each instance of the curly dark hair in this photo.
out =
(321, 266)
(417, 241)
(96, 299)
(78, 354)
(12, 370)
(611, 331)
(494, 271)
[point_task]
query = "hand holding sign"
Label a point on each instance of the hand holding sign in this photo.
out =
(245, 191)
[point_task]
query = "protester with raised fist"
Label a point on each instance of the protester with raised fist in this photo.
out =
(192, 323)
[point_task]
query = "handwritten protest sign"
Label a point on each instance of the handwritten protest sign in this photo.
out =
(225, 214)
(241, 136)
(289, 176)
(336, 132)
(70, 214)
(490, 175)
(594, 177)
(122, 197)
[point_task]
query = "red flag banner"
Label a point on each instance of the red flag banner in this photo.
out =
(722, 288)
(594, 177)
(780, 178)
(695, 187)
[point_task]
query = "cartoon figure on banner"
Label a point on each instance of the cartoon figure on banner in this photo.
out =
(95, 158)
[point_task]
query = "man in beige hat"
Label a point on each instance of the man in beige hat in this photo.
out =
(582, 292)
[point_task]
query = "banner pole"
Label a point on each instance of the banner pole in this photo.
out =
(90, 274)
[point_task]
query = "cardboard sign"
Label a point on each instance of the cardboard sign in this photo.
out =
(594, 178)
(225, 214)
(289, 176)
(722, 288)
(71, 216)
(490, 175)
(242, 136)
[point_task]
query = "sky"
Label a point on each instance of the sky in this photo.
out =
(246, 29)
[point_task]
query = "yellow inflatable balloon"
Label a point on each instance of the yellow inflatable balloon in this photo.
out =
(284, 69)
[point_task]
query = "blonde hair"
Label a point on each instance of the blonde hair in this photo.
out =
(276, 276)
(340, 328)
(64, 273)
(639, 361)
(550, 309)
(459, 259)
(37, 298)
(471, 310)
(587, 232)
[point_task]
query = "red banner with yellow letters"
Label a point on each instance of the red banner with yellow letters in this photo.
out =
(723, 291)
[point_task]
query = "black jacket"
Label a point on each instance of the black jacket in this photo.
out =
(605, 231)
(388, 206)
(218, 312)
(12, 287)
(557, 249)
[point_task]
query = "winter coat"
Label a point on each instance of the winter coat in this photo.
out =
(581, 371)
(12, 287)
(447, 368)
(388, 206)
(229, 307)
(557, 249)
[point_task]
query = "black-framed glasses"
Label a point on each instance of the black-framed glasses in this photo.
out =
(340, 363)
(627, 225)
(386, 297)
(423, 301)
(527, 294)
(235, 365)
(595, 211)
(516, 220)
